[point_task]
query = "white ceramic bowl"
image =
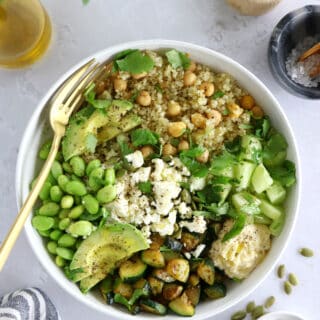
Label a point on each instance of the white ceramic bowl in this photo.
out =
(38, 130)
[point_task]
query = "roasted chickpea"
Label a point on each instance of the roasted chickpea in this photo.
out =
(174, 108)
(214, 114)
(208, 88)
(192, 67)
(235, 110)
(247, 102)
(146, 151)
(257, 112)
(139, 76)
(183, 145)
(100, 87)
(204, 157)
(144, 98)
(176, 129)
(119, 84)
(189, 78)
(169, 150)
(199, 120)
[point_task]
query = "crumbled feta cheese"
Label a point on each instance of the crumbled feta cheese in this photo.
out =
(166, 225)
(136, 159)
(184, 210)
(187, 255)
(197, 251)
(164, 192)
(198, 224)
(197, 183)
(141, 175)
(158, 168)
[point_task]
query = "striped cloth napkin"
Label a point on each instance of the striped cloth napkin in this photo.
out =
(27, 304)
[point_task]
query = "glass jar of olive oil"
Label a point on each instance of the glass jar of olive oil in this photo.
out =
(25, 32)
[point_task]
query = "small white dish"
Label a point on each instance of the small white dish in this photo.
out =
(281, 315)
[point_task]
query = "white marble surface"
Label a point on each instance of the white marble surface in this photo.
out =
(80, 31)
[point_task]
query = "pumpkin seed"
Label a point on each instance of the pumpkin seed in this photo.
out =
(269, 302)
(293, 279)
(281, 271)
(250, 306)
(287, 287)
(257, 312)
(306, 252)
(240, 315)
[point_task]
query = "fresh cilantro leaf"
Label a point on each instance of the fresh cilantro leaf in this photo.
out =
(188, 158)
(218, 94)
(233, 146)
(237, 227)
(126, 104)
(135, 62)
(124, 53)
(213, 212)
(210, 194)
(285, 174)
(245, 126)
(145, 187)
(276, 144)
(134, 96)
(225, 112)
(124, 148)
(96, 103)
(178, 59)
(91, 142)
(142, 137)
(158, 88)
(221, 162)
(174, 142)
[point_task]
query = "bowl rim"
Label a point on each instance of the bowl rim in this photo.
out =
(161, 43)
(279, 73)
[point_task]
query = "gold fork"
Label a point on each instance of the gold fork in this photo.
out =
(62, 104)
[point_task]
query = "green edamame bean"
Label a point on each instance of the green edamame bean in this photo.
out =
(75, 178)
(80, 228)
(93, 164)
(55, 235)
(110, 176)
(64, 223)
(90, 203)
(77, 200)
(76, 188)
(78, 166)
(49, 209)
(56, 169)
(45, 233)
(63, 213)
(67, 167)
(65, 253)
(67, 202)
(56, 193)
(51, 247)
(62, 181)
(66, 241)
(56, 223)
(44, 150)
(107, 194)
(76, 212)
(51, 179)
(45, 191)
(42, 223)
(60, 262)
(96, 180)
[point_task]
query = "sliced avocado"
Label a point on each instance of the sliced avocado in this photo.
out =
(88, 121)
(127, 123)
(104, 250)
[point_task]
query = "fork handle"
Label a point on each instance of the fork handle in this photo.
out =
(18, 224)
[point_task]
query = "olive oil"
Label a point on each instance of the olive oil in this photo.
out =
(25, 32)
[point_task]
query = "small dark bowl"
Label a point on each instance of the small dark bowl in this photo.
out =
(292, 29)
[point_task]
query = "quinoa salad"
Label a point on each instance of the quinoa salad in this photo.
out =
(169, 185)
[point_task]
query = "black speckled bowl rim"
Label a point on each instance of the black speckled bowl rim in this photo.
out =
(285, 25)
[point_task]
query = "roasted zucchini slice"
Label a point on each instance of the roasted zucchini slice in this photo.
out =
(156, 285)
(190, 240)
(179, 269)
(124, 289)
(216, 291)
(153, 258)
(152, 306)
(132, 270)
(193, 294)
(173, 244)
(106, 287)
(182, 306)
(171, 291)
(163, 275)
(206, 271)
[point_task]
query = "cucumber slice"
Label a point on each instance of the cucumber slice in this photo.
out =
(225, 172)
(261, 179)
(277, 160)
(243, 173)
(277, 225)
(270, 210)
(246, 203)
(251, 148)
(276, 193)
(225, 190)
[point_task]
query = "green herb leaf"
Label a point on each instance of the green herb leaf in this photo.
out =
(237, 227)
(178, 59)
(91, 142)
(124, 53)
(142, 137)
(135, 62)
(164, 249)
(196, 168)
(210, 194)
(277, 143)
(96, 103)
(218, 94)
(221, 162)
(285, 174)
(145, 187)
(124, 148)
